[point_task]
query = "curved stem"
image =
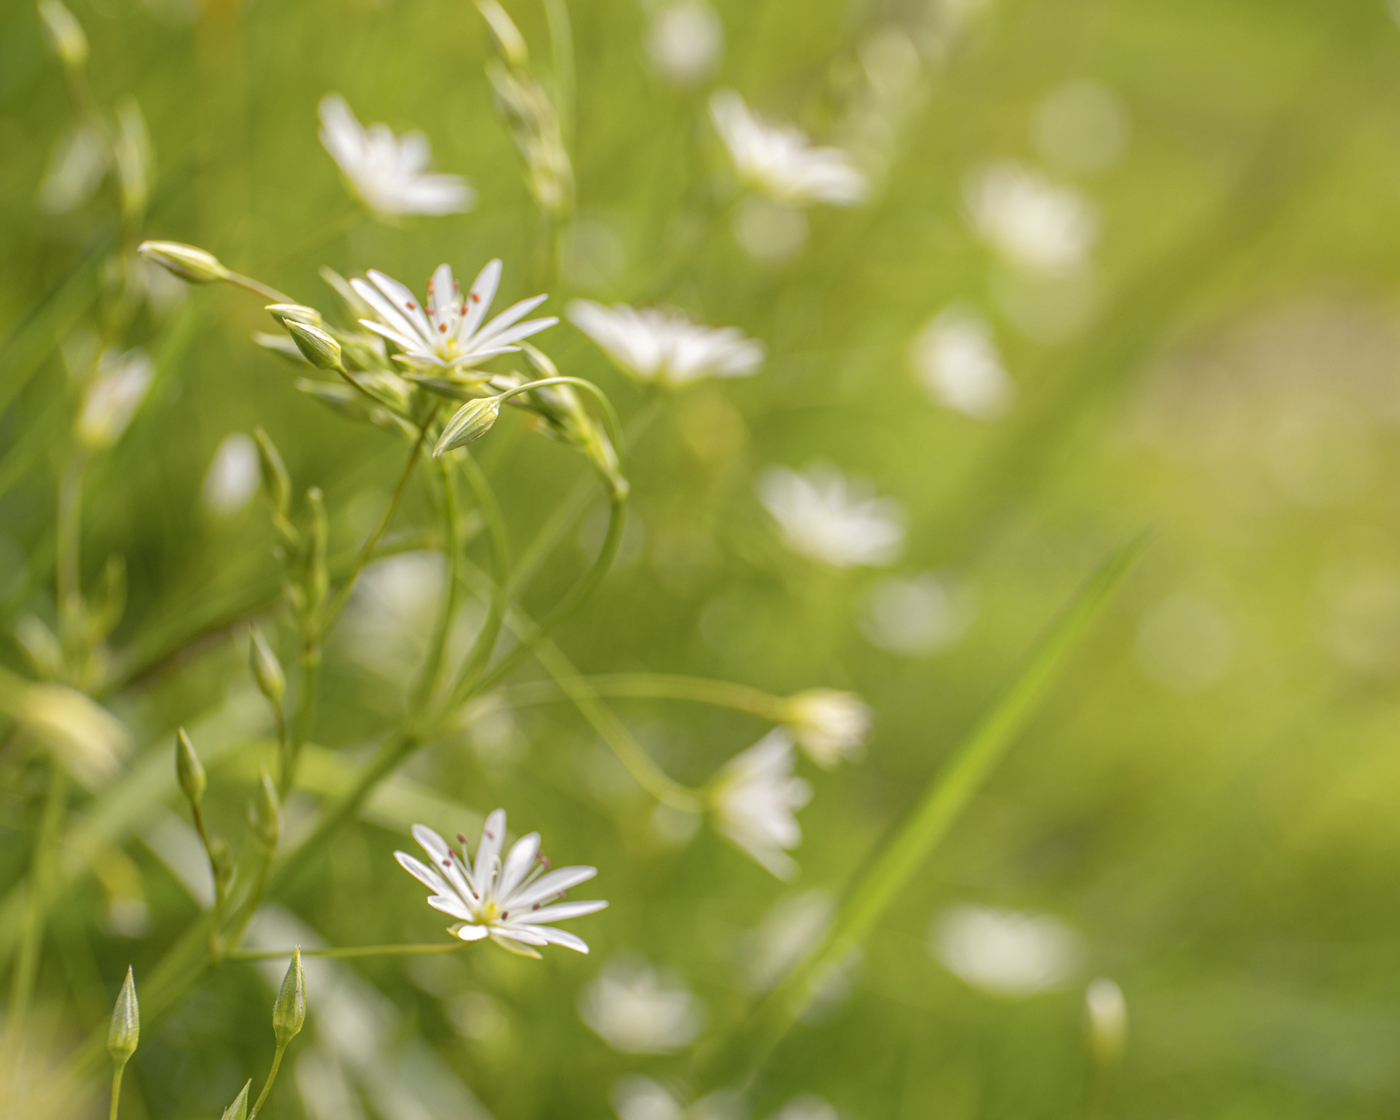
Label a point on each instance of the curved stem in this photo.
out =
(271, 1077)
(259, 288)
(350, 951)
(657, 686)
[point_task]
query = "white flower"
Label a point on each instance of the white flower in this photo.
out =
(665, 346)
(756, 798)
(389, 173)
(113, 396)
(780, 161)
(87, 739)
(828, 518)
(447, 333)
(829, 726)
(1034, 224)
(1004, 952)
(919, 615)
(787, 931)
(640, 1098)
(808, 1106)
(636, 1009)
(233, 476)
(685, 41)
(510, 901)
(956, 359)
(1107, 1012)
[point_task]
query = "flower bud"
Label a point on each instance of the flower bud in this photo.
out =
(317, 345)
(220, 863)
(238, 1110)
(87, 739)
(294, 313)
(289, 1012)
(1107, 1014)
(264, 815)
(112, 397)
(188, 768)
(197, 266)
(472, 421)
(267, 670)
(317, 580)
(509, 42)
(65, 33)
(277, 483)
(125, 1031)
(829, 726)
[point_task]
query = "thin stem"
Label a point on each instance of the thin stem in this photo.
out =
(271, 1077)
(349, 952)
(452, 519)
(36, 903)
(310, 677)
(257, 287)
(116, 1089)
(485, 643)
(69, 561)
(367, 550)
(657, 686)
(213, 874)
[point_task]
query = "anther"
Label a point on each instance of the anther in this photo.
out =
(476, 297)
(411, 305)
(461, 839)
(442, 327)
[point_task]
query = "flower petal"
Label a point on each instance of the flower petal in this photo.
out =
(425, 875)
(488, 854)
(559, 912)
(451, 904)
(511, 315)
(552, 883)
(479, 298)
(517, 866)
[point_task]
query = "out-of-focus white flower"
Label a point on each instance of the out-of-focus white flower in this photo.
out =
(389, 173)
(772, 233)
(830, 726)
(956, 360)
(1107, 1013)
(918, 616)
(788, 930)
(113, 396)
(233, 475)
(1082, 126)
(76, 169)
(833, 519)
(391, 614)
(685, 41)
(665, 346)
(779, 160)
(640, 1098)
(86, 739)
(637, 1009)
(447, 332)
(1005, 952)
(807, 1106)
(756, 798)
(510, 902)
(1034, 224)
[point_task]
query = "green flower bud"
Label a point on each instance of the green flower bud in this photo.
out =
(286, 313)
(198, 266)
(188, 769)
(509, 42)
(472, 421)
(264, 815)
(221, 863)
(277, 483)
(289, 1012)
(125, 1031)
(267, 670)
(65, 33)
(238, 1110)
(317, 579)
(317, 345)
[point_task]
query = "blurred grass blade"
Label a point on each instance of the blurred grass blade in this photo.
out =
(928, 821)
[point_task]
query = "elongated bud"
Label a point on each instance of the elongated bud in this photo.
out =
(264, 815)
(238, 1110)
(317, 580)
(277, 485)
(65, 33)
(221, 863)
(188, 768)
(289, 1012)
(316, 345)
(125, 1031)
(1107, 1014)
(472, 421)
(267, 670)
(509, 42)
(286, 313)
(198, 266)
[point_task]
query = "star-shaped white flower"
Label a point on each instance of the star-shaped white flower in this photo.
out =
(831, 518)
(448, 332)
(1036, 225)
(779, 160)
(756, 798)
(510, 902)
(830, 726)
(389, 173)
(665, 346)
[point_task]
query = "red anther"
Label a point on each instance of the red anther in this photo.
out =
(456, 285)
(411, 305)
(490, 836)
(442, 327)
(464, 309)
(536, 906)
(476, 297)
(447, 863)
(461, 839)
(504, 915)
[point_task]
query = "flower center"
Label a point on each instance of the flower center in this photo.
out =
(490, 912)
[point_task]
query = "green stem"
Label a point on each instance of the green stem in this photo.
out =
(485, 643)
(657, 686)
(214, 875)
(69, 564)
(310, 677)
(36, 903)
(259, 288)
(432, 667)
(116, 1090)
(271, 1077)
(349, 952)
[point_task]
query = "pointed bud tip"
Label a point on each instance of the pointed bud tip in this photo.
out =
(125, 1030)
(289, 1012)
(188, 769)
(188, 262)
(316, 345)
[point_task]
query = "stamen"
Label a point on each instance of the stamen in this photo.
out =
(442, 327)
(536, 906)
(544, 860)
(461, 839)
(505, 914)
(476, 297)
(411, 305)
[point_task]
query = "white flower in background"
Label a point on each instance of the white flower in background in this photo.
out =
(233, 476)
(780, 161)
(637, 1009)
(1034, 224)
(917, 616)
(510, 902)
(807, 1106)
(447, 333)
(830, 726)
(755, 799)
(787, 931)
(389, 173)
(76, 169)
(833, 519)
(956, 360)
(88, 740)
(1004, 952)
(1107, 1012)
(640, 1098)
(772, 233)
(685, 41)
(665, 346)
(113, 396)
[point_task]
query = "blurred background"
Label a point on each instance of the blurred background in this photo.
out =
(1122, 266)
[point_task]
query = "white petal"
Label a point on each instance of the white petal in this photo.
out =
(565, 938)
(403, 300)
(472, 933)
(559, 912)
(488, 854)
(451, 904)
(523, 330)
(479, 298)
(512, 314)
(425, 875)
(517, 866)
(552, 883)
